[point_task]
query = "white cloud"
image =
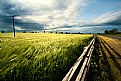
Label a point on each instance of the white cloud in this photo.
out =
(108, 17)
(50, 12)
(18, 28)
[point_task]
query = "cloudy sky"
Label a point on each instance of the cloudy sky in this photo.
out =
(84, 16)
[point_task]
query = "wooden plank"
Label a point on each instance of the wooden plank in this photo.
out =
(82, 57)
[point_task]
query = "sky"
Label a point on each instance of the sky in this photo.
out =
(85, 16)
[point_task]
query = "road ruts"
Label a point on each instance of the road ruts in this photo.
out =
(114, 59)
(105, 63)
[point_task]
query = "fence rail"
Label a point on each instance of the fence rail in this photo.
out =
(78, 71)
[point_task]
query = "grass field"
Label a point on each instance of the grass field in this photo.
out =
(37, 56)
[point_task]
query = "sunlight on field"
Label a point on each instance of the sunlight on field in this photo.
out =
(113, 54)
(37, 56)
(114, 43)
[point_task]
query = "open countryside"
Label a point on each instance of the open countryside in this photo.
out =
(60, 40)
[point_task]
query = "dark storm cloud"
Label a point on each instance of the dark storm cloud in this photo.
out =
(59, 10)
(8, 9)
(115, 22)
(34, 15)
(6, 23)
(29, 25)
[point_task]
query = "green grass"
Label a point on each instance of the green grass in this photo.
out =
(36, 56)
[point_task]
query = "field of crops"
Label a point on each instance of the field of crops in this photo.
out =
(37, 56)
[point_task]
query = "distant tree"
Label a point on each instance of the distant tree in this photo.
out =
(113, 31)
(61, 32)
(32, 32)
(24, 31)
(100, 33)
(44, 31)
(51, 32)
(106, 31)
(2, 31)
(56, 32)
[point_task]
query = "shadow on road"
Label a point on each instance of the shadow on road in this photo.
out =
(105, 65)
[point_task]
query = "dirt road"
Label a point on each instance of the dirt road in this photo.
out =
(106, 60)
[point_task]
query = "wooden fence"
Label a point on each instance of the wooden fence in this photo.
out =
(79, 70)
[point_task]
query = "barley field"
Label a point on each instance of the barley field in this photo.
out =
(39, 56)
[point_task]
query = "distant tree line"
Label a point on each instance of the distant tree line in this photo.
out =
(112, 31)
(59, 32)
(2, 31)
